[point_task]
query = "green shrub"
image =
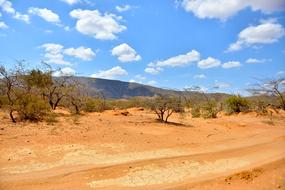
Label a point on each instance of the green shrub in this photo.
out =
(209, 110)
(32, 107)
(94, 105)
(164, 107)
(236, 104)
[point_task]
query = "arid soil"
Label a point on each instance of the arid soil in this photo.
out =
(130, 150)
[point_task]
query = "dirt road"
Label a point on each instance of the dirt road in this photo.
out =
(111, 151)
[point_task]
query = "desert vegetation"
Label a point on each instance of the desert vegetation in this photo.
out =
(33, 94)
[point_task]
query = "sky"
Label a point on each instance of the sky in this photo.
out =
(221, 45)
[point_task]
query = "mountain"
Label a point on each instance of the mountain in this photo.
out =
(114, 89)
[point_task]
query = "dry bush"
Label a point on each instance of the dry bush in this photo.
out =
(236, 104)
(51, 118)
(195, 112)
(32, 107)
(94, 105)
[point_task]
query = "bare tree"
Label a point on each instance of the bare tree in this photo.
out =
(274, 87)
(56, 91)
(75, 96)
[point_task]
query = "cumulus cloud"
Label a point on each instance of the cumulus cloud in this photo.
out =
(231, 64)
(45, 14)
(100, 26)
(180, 60)
(7, 7)
(153, 70)
(111, 73)
(176, 61)
(125, 53)
(54, 53)
(81, 52)
(199, 76)
(267, 32)
(3, 25)
(67, 71)
(213, 9)
(254, 60)
(210, 62)
(123, 8)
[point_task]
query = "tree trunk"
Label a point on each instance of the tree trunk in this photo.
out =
(12, 117)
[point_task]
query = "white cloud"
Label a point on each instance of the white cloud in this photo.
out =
(67, 71)
(3, 25)
(152, 83)
(71, 2)
(213, 9)
(125, 53)
(231, 64)
(179, 60)
(254, 60)
(111, 73)
(93, 23)
(266, 33)
(220, 85)
(81, 52)
(152, 70)
(53, 54)
(22, 17)
(138, 79)
(210, 62)
(195, 88)
(7, 7)
(199, 76)
(45, 14)
(123, 8)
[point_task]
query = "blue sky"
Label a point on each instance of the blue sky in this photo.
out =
(220, 45)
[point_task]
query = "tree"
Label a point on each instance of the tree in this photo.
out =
(75, 97)
(57, 90)
(23, 91)
(206, 108)
(10, 87)
(164, 107)
(274, 87)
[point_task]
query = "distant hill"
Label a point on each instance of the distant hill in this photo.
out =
(114, 89)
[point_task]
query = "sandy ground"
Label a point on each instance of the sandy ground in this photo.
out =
(112, 151)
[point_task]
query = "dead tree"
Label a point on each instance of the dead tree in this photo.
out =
(274, 87)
